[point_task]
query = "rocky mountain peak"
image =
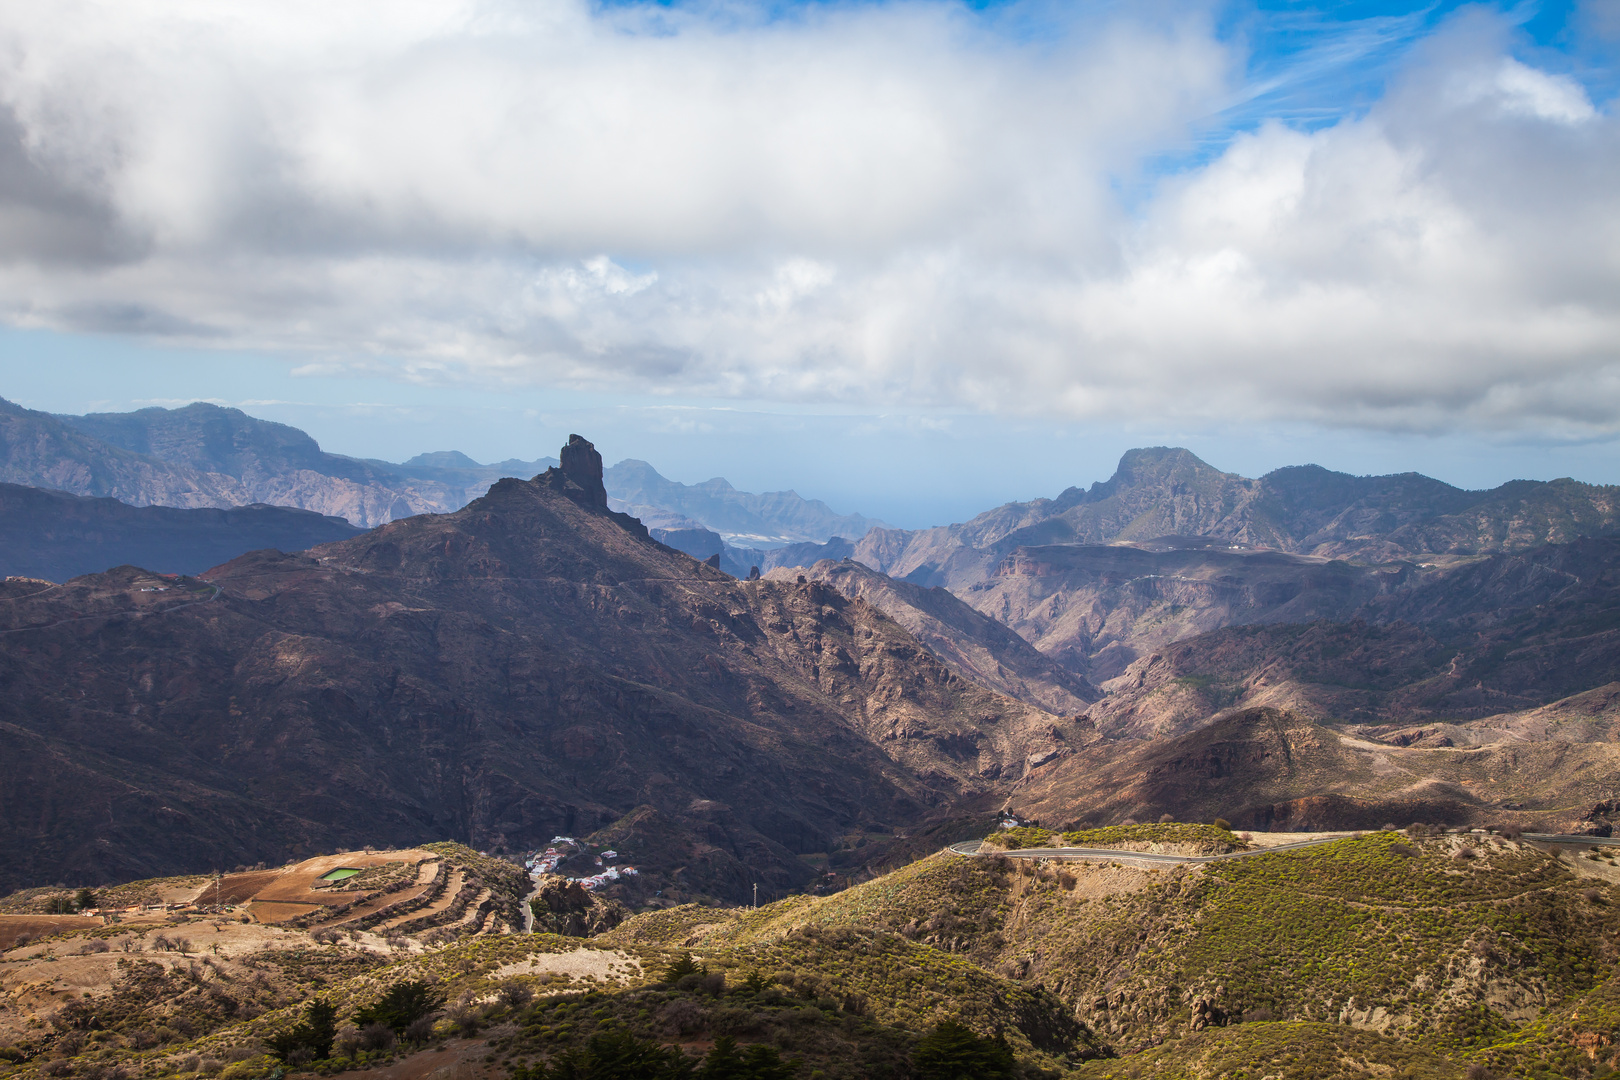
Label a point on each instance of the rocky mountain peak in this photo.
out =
(581, 468)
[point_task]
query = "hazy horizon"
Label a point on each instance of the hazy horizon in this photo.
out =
(910, 258)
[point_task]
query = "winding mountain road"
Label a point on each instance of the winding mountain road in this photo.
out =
(114, 614)
(975, 849)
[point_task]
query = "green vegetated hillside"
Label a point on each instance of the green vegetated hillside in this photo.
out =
(1380, 955)
(1373, 956)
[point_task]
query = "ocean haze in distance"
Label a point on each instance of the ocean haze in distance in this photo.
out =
(911, 469)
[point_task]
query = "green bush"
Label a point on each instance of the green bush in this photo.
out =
(1025, 836)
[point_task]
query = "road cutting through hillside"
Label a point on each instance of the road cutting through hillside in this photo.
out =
(975, 848)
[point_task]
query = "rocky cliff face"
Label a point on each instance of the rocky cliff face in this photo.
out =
(975, 646)
(528, 666)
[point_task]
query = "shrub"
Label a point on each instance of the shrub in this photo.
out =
(377, 1036)
(515, 993)
(347, 1042)
(681, 1017)
(1223, 824)
(1025, 836)
(466, 1019)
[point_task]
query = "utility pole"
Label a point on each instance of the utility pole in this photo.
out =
(756, 896)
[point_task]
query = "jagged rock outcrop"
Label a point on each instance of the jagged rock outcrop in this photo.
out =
(565, 907)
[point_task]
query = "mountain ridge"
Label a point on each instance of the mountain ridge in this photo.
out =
(57, 536)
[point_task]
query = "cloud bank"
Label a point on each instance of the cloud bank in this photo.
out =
(902, 202)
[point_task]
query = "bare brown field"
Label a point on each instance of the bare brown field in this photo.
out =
(238, 888)
(14, 926)
(274, 911)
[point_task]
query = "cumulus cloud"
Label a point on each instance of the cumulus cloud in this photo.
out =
(868, 203)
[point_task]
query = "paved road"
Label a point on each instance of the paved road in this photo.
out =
(1149, 858)
(1142, 858)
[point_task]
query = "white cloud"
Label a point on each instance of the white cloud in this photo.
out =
(876, 203)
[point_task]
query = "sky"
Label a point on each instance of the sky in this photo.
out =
(912, 258)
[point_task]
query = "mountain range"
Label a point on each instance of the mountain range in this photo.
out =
(205, 455)
(1169, 547)
(432, 664)
(531, 665)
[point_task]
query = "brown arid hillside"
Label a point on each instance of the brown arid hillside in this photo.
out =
(1268, 769)
(975, 646)
(1098, 608)
(1475, 639)
(531, 665)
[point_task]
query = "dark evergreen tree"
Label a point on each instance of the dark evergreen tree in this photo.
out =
(757, 1062)
(400, 1007)
(682, 966)
(314, 1033)
(954, 1052)
(617, 1055)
